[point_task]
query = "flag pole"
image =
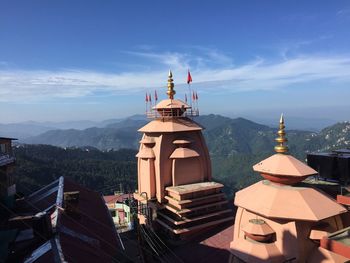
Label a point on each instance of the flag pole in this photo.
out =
(150, 104)
(197, 103)
(189, 80)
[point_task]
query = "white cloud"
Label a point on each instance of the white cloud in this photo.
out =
(260, 74)
(343, 12)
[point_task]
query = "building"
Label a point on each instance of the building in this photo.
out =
(7, 163)
(176, 193)
(120, 210)
(61, 222)
(334, 171)
(280, 219)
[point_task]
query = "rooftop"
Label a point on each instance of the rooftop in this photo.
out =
(171, 125)
(84, 233)
(302, 202)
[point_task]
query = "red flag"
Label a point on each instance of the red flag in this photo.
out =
(149, 98)
(146, 97)
(196, 96)
(193, 96)
(189, 77)
(186, 98)
(155, 95)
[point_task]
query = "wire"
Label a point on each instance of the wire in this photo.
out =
(171, 251)
(145, 229)
(108, 227)
(102, 239)
(150, 243)
(29, 226)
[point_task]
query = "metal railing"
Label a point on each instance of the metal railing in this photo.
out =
(6, 159)
(171, 113)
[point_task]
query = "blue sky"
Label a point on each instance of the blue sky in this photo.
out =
(73, 60)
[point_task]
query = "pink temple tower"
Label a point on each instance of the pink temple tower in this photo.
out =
(280, 219)
(176, 193)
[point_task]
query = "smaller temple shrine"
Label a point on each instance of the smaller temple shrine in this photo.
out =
(176, 193)
(280, 219)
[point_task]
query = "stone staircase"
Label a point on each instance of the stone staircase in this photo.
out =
(193, 207)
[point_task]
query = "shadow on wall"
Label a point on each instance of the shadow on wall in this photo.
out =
(288, 248)
(210, 246)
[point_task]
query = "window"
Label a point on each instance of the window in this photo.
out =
(3, 148)
(112, 213)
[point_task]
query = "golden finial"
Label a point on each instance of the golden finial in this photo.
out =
(281, 139)
(171, 92)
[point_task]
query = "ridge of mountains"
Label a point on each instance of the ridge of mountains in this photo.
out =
(224, 136)
(235, 145)
(23, 130)
(27, 129)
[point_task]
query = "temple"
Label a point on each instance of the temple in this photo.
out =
(176, 193)
(283, 218)
(280, 219)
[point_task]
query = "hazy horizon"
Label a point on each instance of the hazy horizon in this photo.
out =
(69, 61)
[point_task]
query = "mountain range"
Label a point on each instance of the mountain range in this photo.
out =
(235, 145)
(225, 136)
(24, 130)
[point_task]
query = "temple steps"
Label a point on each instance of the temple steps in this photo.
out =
(181, 204)
(193, 207)
(196, 209)
(184, 220)
(195, 227)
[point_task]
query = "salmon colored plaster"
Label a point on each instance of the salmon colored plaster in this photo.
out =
(178, 148)
(296, 218)
(171, 104)
(173, 158)
(284, 201)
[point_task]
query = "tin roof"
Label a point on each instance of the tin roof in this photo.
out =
(111, 199)
(8, 138)
(89, 237)
(211, 246)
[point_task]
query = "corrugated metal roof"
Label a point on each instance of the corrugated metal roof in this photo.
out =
(89, 236)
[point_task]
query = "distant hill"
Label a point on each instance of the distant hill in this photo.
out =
(296, 123)
(101, 138)
(115, 135)
(224, 136)
(23, 130)
(235, 145)
(38, 165)
(333, 137)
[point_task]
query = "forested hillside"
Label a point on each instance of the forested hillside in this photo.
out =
(225, 136)
(38, 165)
(235, 145)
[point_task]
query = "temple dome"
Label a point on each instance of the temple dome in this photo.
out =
(283, 168)
(171, 104)
(171, 125)
(284, 201)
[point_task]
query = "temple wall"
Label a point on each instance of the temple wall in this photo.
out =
(186, 171)
(169, 172)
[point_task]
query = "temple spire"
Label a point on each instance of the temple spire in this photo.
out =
(281, 139)
(171, 92)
